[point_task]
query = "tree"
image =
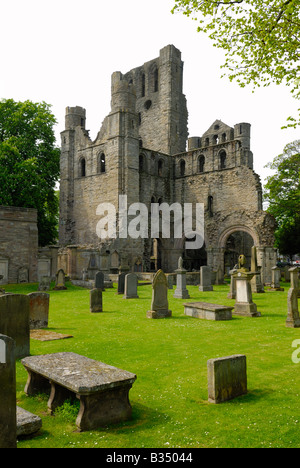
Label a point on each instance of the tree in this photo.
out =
(282, 192)
(29, 162)
(260, 39)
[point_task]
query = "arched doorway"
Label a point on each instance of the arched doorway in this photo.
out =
(237, 243)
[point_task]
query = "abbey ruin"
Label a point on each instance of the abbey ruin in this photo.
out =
(143, 151)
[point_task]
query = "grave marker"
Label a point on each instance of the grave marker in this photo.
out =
(131, 283)
(159, 304)
(8, 408)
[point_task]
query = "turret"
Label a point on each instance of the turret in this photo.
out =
(75, 117)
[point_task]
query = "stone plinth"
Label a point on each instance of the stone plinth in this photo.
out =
(207, 311)
(244, 304)
(181, 292)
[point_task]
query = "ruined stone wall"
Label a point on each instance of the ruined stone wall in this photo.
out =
(18, 243)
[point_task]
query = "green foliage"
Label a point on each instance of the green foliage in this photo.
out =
(29, 162)
(282, 191)
(260, 39)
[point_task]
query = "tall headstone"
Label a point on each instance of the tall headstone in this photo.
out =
(121, 282)
(159, 304)
(131, 284)
(14, 321)
(8, 404)
(96, 304)
(38, 310)
(205, 279)
(293, 319)
(256, 283)
(99, 280)
(181, 292)
(60, 284)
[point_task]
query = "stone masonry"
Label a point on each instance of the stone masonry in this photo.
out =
(142, 150)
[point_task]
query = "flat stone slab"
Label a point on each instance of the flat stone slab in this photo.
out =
(102, 389)
(27, 423)
(208, 311)
(47, 335)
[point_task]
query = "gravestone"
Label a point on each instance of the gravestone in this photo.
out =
(23, 275)
(181, 292)
(45, 283)
(227, 378)
(14, 321)
(99, 280)
(96, 304)
(219, 276)
(244, 304)
(121, 283)
(38, 310)
(131, 284)
(8, 408)
(205, 279)
(170, 281)
(256, 283)
(232, 293)
(60, 284)
(85, 275)
(293, 319)
(159, 304)
(276, 277)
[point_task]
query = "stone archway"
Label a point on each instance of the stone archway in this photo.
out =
(235, 241)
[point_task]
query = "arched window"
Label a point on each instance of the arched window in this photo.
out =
(82, 168)
(156, 80)
(201, 163)
(222, 160)
(101, 163)
(160, 167)
(182, 167)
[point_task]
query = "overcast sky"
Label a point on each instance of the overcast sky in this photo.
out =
(63, 52)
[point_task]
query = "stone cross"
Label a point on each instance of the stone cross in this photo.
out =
(159, 304)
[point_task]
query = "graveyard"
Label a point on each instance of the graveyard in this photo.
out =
(169, 356)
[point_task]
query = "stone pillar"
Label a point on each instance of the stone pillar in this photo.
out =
(181, 292)
(293, 319)
(244, 304)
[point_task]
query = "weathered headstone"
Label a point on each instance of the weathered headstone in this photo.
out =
(8, 408)
(60, 284)
(96, 304)
(293, 319)
(38, 310)
(181, 292)
(14, 321)
(256, 283)
(99, 280)
(131, 284)
(219, 275)
(170, 281)
(276, 276)
(159, 304)
(205, 279)
(23, 275)
(227, 378)
(121, 283)
(45, 283)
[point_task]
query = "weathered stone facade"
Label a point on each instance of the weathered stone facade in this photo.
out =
(140, 151)
(18, 245)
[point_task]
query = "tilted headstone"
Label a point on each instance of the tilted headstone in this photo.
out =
(60, 284)
(8, 404)
(99, 280)
(159, 304)
(39, 310)
(181, 292)
(205, 279)
(96, 304)
(131, 284)
(293, 319)
(14, 321)
(227, 378)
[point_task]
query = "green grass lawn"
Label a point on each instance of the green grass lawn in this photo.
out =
(169, 357)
